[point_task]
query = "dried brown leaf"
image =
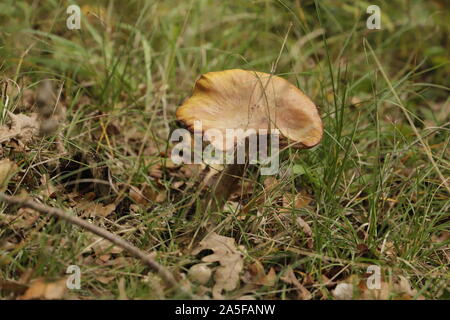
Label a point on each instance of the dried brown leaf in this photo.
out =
(23, 128)
(355, 287)
(7, 169)
(256, 275)
(40, 289)
(297, 201)
(290, 278)
(226, 275)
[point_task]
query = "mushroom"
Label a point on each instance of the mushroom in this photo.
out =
(241, 100)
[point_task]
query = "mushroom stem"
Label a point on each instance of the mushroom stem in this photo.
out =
(225, 186)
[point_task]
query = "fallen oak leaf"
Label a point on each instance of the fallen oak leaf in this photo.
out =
(226, 276)
(23, 128)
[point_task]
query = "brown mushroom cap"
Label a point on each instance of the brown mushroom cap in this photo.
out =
(240, 99)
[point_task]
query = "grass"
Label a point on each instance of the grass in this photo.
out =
(376, 179)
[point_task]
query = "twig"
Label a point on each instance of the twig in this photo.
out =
(155, 266)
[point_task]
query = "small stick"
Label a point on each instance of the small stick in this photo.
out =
(155, 266)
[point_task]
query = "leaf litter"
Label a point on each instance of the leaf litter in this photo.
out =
(230, 259)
